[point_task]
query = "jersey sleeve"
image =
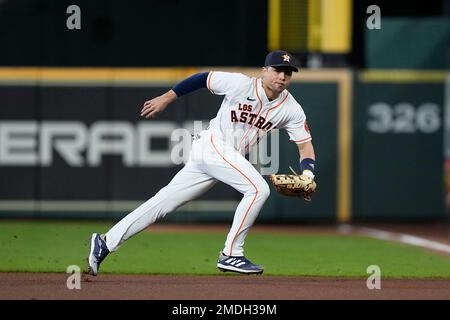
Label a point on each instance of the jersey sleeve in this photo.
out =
(297, 126)
(225, 83)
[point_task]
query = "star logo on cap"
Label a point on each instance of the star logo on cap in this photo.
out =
(286, 57)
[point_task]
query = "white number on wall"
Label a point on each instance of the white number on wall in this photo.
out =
(404, 118)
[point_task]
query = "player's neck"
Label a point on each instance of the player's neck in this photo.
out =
(270, 94)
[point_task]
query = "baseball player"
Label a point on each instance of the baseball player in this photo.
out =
(251, 108)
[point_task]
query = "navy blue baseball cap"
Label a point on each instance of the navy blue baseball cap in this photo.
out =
(280, 58)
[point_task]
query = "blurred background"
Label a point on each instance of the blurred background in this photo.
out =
(74, 74)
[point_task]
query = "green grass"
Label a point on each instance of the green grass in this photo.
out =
(52, 246)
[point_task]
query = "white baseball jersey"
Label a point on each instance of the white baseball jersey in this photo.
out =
(246, 114)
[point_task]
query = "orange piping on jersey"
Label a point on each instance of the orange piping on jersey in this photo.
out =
(208, 84)
(253, 201)
(303, 140)
(267, 115)
(256, 119)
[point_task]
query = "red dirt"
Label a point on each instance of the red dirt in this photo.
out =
(44, 286)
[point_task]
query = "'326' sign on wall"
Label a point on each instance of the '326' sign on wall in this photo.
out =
(404, 118)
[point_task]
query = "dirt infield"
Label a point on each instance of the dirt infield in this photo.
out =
(43, 286)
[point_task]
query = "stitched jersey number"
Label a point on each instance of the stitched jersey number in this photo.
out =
(403, 118)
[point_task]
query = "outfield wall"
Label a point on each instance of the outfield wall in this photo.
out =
(72, 144)
(399, 159)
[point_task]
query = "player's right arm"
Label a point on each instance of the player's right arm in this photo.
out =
(219, 83)
(157, 105)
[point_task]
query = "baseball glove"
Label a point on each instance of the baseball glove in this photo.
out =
(294, 185)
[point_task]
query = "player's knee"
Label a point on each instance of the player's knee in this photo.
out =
(263, 191)
(260, 190)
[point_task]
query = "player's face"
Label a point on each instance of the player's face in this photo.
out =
(277, 78)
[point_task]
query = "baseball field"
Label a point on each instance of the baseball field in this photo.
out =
(179, 262)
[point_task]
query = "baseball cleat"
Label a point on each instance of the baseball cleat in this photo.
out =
(98, 253)
(238, 264)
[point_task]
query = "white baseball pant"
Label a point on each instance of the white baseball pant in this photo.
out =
(211, 160)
